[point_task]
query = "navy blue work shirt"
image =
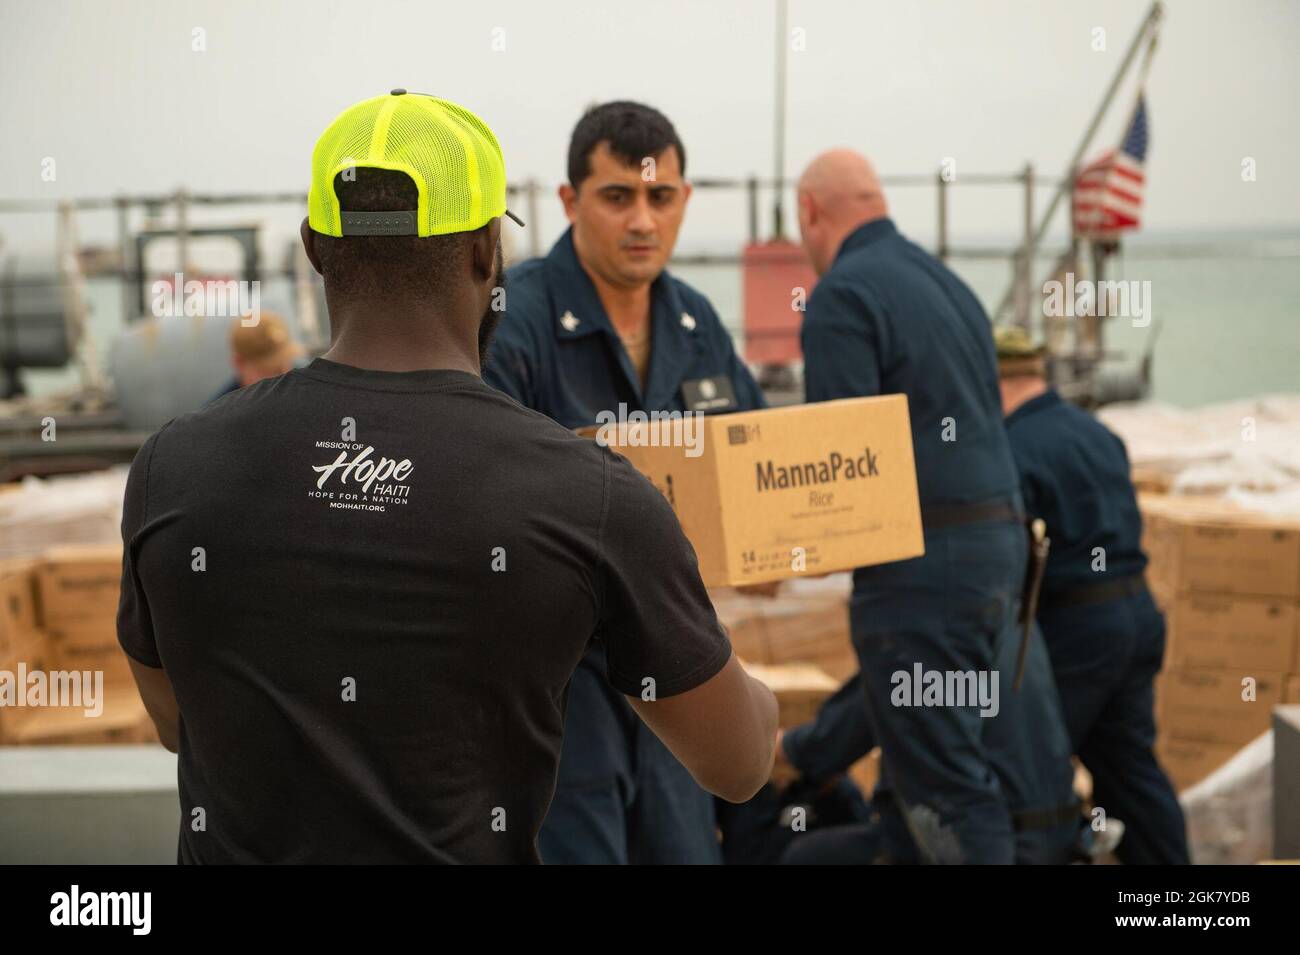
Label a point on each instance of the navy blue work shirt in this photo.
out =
(557, 352)
(889, 318)
(1074, 474)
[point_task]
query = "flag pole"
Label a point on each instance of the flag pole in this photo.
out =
(778, 137)
(1092, 330)
(1151, 26)
(1143, 72)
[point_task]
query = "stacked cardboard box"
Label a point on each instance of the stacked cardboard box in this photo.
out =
(798, 643)
(1228, 581)
(800, 690)
(17, 603)
(58, 616)
(796, 626)
(21, 642)
(122, 719)
(79, 588)
(42, 513)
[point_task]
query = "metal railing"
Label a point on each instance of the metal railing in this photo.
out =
(182, 202)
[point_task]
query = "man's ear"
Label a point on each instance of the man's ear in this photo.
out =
(483, 251)
(569, 199)
(309, 244)
(817, 211)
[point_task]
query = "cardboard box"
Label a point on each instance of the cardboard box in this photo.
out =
(1207, 704)
(792, 629)
(1149, 480)
(1256, 633)
(1151, 513)
(88, 632)
(1187, 762)
(1240, 559)
(1212, 547)
(122, 720)
(17, 602)
(36, 651)
(1161, 593)
(800, 689)
(110, 660)
(31, 650)
(89, 644)
(784, 492)
(743, 619)
(30, 643)
(80, 582)
(1291, 689)
(811, 631)
(866, 772)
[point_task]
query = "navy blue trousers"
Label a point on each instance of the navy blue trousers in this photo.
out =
(1105, 657)
(953, 781)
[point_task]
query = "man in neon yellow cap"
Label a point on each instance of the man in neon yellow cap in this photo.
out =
(453, 164)
(354, 595)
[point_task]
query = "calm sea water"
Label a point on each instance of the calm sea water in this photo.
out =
(1229, 325)
(1229, 319)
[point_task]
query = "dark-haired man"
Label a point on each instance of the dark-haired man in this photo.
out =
(352, 607)
(595, 326)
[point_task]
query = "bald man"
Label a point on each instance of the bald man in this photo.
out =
(964, 781)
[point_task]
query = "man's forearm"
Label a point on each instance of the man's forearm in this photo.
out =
(769, 713)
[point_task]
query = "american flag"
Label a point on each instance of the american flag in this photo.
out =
(1108, 191)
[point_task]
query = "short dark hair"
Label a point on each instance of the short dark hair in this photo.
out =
(355, 263)
(633, 131)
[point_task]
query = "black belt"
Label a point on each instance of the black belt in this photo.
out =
(1045, 818)
(1115, 588)
(935, 518)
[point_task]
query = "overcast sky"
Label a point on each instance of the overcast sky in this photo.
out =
(115, 93)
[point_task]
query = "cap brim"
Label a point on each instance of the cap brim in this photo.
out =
(388, 223)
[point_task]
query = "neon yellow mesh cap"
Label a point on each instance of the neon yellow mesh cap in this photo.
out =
(449, 153)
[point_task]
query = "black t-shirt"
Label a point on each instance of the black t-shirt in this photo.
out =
(370, 635)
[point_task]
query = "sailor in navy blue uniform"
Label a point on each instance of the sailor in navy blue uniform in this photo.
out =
(599, 326)
(1105, 637)
(960, 783)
